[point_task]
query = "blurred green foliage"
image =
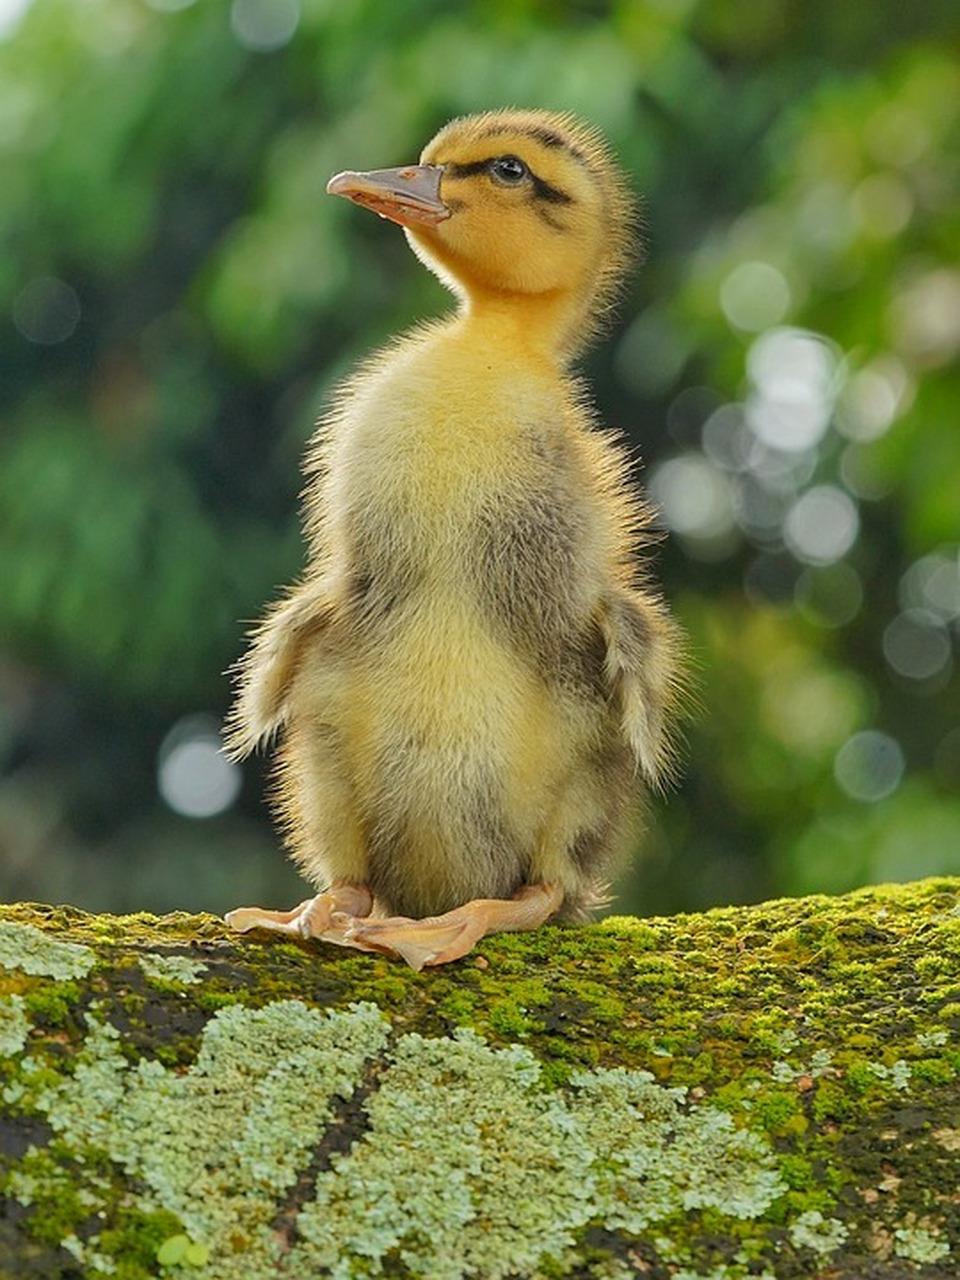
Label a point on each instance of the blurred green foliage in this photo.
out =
(177, 298)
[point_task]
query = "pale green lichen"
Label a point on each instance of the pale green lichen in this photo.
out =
(611, 1269)
(171, 969)
(73, 1246)
(920, 1245)
(658, 1159)
(812, 1230)
(784, 1041)
(898, 1075)
(14, 1026)
(470, 1168)
(820, 1063)
(219, 1144)
(821, 1060)
(933, 1039)
(24, 947)
(718, 1273)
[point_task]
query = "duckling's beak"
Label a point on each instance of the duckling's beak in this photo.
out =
(410, 196)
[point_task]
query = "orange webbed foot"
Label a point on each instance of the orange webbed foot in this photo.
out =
(440, 939)
(326, 916)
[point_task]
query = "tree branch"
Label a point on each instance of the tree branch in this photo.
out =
(767, 1091)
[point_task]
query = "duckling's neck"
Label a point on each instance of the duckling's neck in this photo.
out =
(543, 326)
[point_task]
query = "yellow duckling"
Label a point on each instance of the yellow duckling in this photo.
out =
(473, 667)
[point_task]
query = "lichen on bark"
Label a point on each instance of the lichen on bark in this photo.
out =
(758, 1091)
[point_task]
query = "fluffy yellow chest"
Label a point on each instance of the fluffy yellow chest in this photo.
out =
(438, 427)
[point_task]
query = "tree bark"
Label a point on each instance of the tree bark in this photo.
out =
(755, 1091)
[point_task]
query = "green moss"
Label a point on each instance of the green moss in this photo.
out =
(859, 1078)
(47, 1183)
(834, 1103)
(458, 1006)
(509, 1019)
(62, 1199)
(657, 971)
(211, 1001)
(135, 1239)
(180, 1250)
(780, 1113)
(52, 1004)
(934, 1070)
(644, 936)
(797, 1172)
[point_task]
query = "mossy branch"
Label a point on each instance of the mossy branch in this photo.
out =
(756, 1091)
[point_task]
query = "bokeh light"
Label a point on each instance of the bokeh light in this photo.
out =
(882, 205)
(194, 776)
(916, 644)
(754, 296)
(872, 398)
(760, 510)
(925, 318)
(933, 583)
(11, 13)
(651, 353)
(830, 595)
(727, 440)
(794, 375)
(46, 311)
(897, 134)
(694, 498)
(869, 766)
(822, 525)
(811, 710)
(264, 26)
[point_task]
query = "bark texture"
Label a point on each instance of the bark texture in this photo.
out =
(764, 1091)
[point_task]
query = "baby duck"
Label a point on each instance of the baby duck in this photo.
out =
(474, 665)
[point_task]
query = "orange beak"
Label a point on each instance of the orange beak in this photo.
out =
(410, 196)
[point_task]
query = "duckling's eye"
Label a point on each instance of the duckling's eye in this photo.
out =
(509, 169)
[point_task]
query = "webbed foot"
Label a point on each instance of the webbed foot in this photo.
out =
(328, 915)
(440, 939)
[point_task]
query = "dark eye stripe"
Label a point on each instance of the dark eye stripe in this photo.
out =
(467, 170)
(553, 195)
(542, 190)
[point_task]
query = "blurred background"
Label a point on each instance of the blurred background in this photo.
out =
(178, 297)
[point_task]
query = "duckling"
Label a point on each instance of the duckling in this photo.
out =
(474, 665)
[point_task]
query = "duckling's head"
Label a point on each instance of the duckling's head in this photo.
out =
(515, 206)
